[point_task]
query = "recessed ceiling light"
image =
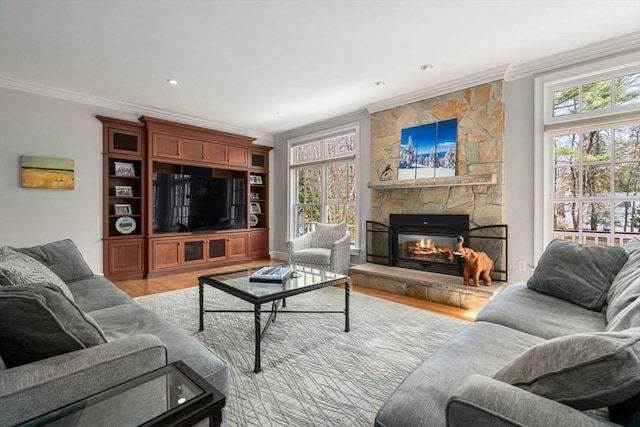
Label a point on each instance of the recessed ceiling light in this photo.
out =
(426, 67)
(172, 81)
(379, 83)
(279, 113)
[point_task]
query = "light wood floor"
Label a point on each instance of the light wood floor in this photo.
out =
(141, 287)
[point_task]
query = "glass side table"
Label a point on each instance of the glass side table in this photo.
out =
(173, 395)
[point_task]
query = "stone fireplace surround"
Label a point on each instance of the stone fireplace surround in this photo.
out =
(476, 190)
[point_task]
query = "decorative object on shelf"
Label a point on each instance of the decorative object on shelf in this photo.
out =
(122, 209)
(253, 220)
(428, 151)
(123, 191)
(386, 174)
(255, 196)
(255, 179)
(125, 225)
(48, 172)
(255, 207)
(124, 169)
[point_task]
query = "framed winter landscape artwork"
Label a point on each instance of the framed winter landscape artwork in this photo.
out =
(429, 150)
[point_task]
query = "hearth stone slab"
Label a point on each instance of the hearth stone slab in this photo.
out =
(439, 288)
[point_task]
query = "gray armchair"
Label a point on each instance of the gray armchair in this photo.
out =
(325, 248)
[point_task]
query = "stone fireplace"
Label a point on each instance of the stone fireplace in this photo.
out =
(476, 192)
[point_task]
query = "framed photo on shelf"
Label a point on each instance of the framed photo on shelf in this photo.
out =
(255, 196)
(255, 207)
(124, 169)
(122, 209)
(255, 179)
(123, 191)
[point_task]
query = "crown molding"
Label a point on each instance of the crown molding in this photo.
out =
(612, 47)
(334, 122)
(125, 107)
(476, 79)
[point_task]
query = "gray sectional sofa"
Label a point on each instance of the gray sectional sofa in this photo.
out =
(66, 333)
(562, 349)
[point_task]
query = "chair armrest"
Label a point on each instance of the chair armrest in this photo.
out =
(299, 243)
(340, 255)
(36, 388)
(484, 401)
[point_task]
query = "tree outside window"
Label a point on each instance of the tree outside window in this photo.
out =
(596, 183)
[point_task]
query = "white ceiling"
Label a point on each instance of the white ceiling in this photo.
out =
(240, 62)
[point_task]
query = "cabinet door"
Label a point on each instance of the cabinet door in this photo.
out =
(237, 156)
(125, 258)
(259, 161)
(166, 254)
(194, 251)
(193, 150)
(237, 247)
(125, 141)
(165, 146)
(259, 244)
(216, 153)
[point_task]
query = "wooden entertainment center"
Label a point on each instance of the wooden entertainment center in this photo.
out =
(134, 153)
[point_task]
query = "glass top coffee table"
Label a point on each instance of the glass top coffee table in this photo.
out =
(169, 396)
(303, 279)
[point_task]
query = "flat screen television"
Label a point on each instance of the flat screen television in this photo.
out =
(197, 201)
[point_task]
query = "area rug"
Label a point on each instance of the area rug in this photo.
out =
(314, 373)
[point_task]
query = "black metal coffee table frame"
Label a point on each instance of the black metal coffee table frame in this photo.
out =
(296, 285)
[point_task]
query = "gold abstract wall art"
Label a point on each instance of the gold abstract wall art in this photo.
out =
(48, 172)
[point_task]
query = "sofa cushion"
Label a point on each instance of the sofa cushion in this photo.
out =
(538, 314)
(131, 319)
(581, 274)
(421, 399)
(38, 321)
(627, 318)
(17, 268)
(625, 288)
(584, 371)
(98, 292)
(63, 258)
(325, 235)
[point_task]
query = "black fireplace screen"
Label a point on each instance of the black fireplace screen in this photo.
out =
(431, 246)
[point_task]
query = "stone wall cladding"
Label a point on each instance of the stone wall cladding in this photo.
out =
(480, 114)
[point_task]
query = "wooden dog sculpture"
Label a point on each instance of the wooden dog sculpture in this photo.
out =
(476, 264)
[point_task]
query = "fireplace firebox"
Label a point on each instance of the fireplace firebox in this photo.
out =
(428, 242)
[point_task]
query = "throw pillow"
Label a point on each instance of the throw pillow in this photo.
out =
(581, 274)
(61, 257)
(38, 321)
(625, 288)
(326, 235)
(17, 268)
(584, 371)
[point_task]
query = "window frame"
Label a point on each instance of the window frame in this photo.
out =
(325, 161)
(546, 127)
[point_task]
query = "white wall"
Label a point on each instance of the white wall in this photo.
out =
(41, 126)
(519, 175)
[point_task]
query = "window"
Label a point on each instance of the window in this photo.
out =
(597, 184)
(590, 157)
(323, 180)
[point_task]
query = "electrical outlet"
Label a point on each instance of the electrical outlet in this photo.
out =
(522, 265)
